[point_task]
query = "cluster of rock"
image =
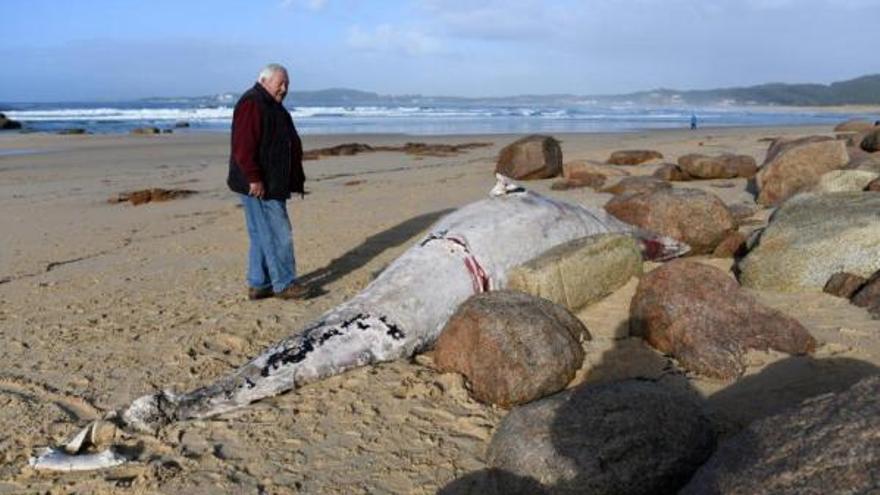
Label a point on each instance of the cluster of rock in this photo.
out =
(418, 149)
(521, 347)
(150, 195)
(8, 124)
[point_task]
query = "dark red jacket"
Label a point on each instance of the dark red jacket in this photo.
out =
(265, 147)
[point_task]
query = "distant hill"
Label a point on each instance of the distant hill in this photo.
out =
(863, 90)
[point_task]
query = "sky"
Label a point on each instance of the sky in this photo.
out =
(85, 50)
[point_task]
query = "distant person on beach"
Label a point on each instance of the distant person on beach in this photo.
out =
(693, 121)
(265, 167)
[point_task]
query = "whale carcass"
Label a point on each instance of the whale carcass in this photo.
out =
(405, 308)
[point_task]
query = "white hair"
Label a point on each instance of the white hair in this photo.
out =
(270, 69)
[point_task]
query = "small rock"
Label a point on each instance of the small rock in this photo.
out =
(145, 130)
(594, 181)
(633, 157)
(725, 166)
(8, 124)
(844, 284)
(573, 169)
(873, 186)
(671, 172)
(512, 347)
(182, 124)
(632, 437)
(699, 315)
(637, 185)
(532, 157)
(73, 131)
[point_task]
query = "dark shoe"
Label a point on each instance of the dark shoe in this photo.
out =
(295, 292)
(254, 294)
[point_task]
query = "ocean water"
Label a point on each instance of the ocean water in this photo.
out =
(103, 118)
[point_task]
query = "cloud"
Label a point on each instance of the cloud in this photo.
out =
(308, 4)
(388, 38)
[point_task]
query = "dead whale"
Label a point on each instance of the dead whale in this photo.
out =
(405, 308)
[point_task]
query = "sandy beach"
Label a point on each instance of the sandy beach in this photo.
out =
(101, 303)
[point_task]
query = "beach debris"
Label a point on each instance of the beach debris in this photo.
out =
(640, 184)
(845, 180)
(419, 149)
(854, 125)
(87, 450)
(871, 141)
(844, 285)
(671, 172)
(699, 315)
(404, 309)
(827, 444)
(8, 124)
(594, 181)
(529, 158)
(868, 296)
(724, 166)
(150, 195)
(796, 165)
(635, 437)
(633, 157)
(813, 236)
(511, 347)
(697, 218)
(581, 271)
(148, 130)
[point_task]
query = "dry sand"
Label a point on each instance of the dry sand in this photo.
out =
(101, 303)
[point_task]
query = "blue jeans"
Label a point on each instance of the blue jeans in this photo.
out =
(271, 262)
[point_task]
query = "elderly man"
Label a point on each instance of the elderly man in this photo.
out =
(265, 167)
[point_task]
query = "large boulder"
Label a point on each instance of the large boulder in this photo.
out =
(871, 141)
(697, 218)
(640, 184)
(854, 125)
(632, 437)
(699, 315)
(724, 166)
(868, 296)
(532, 157)
(633, 157)
(829, 444)
(813, 236)
(845, 180)
(512, 347)
(8, 124)
(581, 271)
(795, 166)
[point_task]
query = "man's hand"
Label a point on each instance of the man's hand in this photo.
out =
(256, 190)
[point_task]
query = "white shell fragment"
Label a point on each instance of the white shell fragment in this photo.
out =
(51, 459)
